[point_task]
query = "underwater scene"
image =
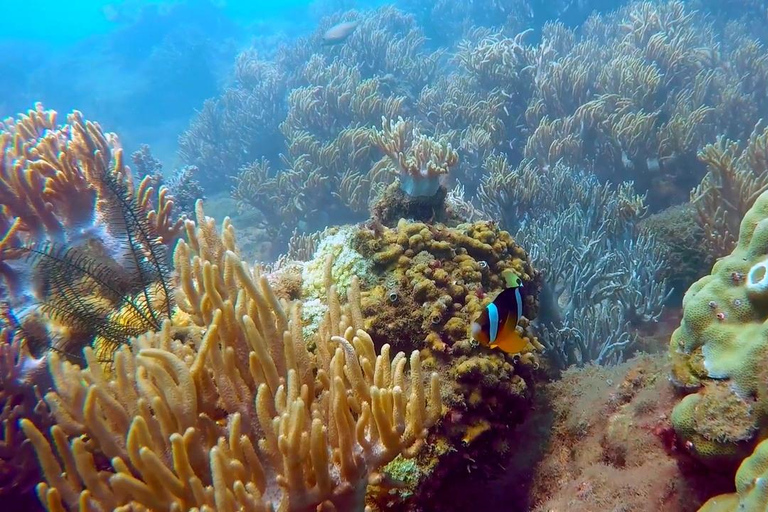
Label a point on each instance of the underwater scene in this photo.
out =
(370, 256)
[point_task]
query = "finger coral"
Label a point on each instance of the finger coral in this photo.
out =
(225, 408)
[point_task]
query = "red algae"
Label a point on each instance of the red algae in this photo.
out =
(611, 446)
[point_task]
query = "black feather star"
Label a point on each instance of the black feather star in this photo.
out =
(95, 299)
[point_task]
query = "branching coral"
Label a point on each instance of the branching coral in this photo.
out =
(734, 180)
(328, 169)
(239, 126)
(639, 92)
(18, 400)
(83, 256)
(423, 163)
(600, 277)
(182, 183)
(231, 410)
(387, 43)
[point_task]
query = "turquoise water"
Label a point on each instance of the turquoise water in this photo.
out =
(59, 23)
(142, 67)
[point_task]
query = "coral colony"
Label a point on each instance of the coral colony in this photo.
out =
(478, 237)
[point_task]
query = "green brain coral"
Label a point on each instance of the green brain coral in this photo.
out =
(723, 339)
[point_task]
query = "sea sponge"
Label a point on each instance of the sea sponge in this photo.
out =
(724, 337)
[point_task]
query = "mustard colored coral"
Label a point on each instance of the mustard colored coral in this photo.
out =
(722, 344)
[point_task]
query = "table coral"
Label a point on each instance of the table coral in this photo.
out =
(720, 349)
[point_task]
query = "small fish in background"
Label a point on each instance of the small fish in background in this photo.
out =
(495, 328)
(339, 33)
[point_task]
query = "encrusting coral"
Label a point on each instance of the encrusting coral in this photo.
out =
(226, 409)
(721, 347)
(434, 279)
(430, 281)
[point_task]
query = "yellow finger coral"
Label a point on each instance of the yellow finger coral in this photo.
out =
(226, 409)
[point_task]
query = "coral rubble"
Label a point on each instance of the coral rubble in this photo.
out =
(610, 445)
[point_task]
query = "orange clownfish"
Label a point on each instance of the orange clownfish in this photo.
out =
(495, 327)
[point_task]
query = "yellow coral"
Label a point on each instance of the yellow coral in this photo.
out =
(231, 411)
(751, 486)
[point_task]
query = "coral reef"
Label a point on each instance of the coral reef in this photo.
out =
(82, 262)
(224, 407)
(434, 279)
(750, 486)
(632, 94)
(18, 400)
(734, 180)
(719, 350)
(182, 183)
(83, 253)
(430, 281)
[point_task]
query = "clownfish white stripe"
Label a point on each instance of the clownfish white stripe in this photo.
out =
(493, 316)
(519, 301)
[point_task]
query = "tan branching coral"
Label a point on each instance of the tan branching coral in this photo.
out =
(329, 166)
(82, 259)
(237, 127)
(18, 399)
(51, 179)
(636, 93)
(423, 162)
(735, 178)
(231, 411)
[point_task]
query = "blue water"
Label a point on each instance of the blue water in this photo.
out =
(59, 24)
(140, 67)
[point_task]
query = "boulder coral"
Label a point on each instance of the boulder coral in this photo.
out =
(432, 281)
(720, 349)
